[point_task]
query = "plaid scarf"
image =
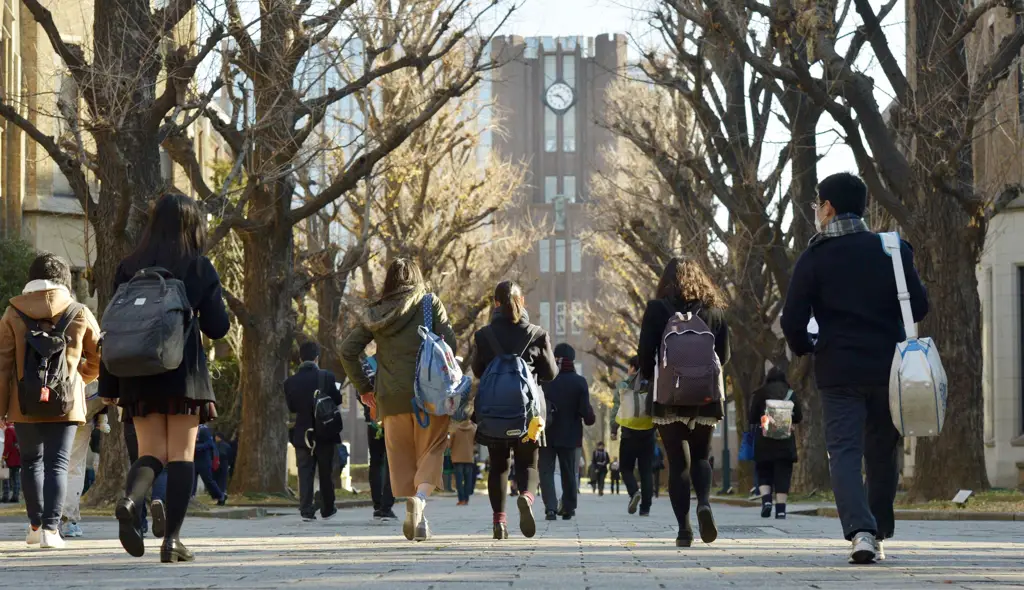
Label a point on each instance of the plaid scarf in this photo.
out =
(841, 225)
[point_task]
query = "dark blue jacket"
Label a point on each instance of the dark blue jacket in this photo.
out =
(206, 447)
(568, 398)
(848, 284)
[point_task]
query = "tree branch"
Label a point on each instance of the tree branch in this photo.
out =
(72, 56)
(879, 43)
(180, 72)
(168, 17)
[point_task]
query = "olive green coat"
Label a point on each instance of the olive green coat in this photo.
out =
(393, 324)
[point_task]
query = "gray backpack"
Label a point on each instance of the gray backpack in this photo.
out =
(146, 325)
(687, 371)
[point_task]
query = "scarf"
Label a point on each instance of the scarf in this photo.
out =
(841, 225)
(568, 366)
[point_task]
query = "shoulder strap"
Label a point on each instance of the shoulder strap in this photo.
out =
(428, 312)
(492, 339)
(891, 242)
(321, 376)
(31, 323)
(69, 316)
(789, 396)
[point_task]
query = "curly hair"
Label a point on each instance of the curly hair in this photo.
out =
(685, 278)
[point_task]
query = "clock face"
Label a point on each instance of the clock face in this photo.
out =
(559, 96)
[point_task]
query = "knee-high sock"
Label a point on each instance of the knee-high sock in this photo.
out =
(180, 476)
(141, 477)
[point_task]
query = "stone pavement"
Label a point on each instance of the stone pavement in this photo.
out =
(603, 548)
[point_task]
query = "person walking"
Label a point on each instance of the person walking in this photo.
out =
(463, 446)
(510, 332)
(659, 466)
(845, 280)
(166, 409)
(78, 465)
(568, 399)
(11, 460)
(227, 461)
(638, 442)
(48, 403)
(685, 288)
(415, 454)
(616, 477)
(599, 461)
(207, 455)
(380, 480)
(773, 457)
(313, 453)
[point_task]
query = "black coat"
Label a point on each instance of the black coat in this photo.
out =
(191, 380)
(656, 317)
(771, 449)
(514, 338)
(298, 393)
(568, 398)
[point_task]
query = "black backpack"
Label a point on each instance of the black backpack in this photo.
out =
(146, 325)
(47, 385)
(327, 423)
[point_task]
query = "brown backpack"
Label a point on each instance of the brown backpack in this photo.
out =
(688, 371)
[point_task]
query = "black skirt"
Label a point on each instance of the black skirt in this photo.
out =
(170, 406)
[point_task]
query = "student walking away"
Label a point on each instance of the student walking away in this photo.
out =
(226, 453)
(632, 416)
(78, 464)
(512, 356)
(568, 398)
(600, 460)
(774, 410)
(12, 461)
(616, 478)
(659, 466)
(448, 469)
(49, 351)
(207, 458)
(415, 454)
(463, 437)
(684, 342)
(315, 443)
(160, 379)
(845, 279)
(380, 479)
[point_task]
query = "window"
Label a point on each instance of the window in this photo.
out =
(569, 130)
(545, 255)
(577, 256)
(577, 317)
(544, 321)
(560, 318)
(550, 188)
(550, 70)
(569, 70)
(559, 213)
(569, 188)
(550, 130)
(559, 255)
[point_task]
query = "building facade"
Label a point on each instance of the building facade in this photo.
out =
(548, 94)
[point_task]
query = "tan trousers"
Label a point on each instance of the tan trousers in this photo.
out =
(415, 455)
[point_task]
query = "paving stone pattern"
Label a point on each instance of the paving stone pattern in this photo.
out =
(604, 548)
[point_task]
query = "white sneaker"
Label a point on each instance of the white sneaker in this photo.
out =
(52, 540)
(413, 517)
(34, 536)
(864, 549)
(880, 556)
(71, 530)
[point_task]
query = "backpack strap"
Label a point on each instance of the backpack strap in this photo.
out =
(320, 379)
(69, 316)
(789, 396)
(492, 340)
(891, 242)
(31, 323)
(428, 312)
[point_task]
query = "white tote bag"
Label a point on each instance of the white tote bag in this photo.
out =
(917, 382)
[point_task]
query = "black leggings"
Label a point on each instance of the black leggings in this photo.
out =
(687, 451)
(777, 474)
(527, 477)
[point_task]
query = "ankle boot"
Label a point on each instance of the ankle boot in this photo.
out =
(500, 531)
(174, 551)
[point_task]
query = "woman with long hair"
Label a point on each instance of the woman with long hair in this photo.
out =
(686, 430)
(511, 332)
(167, 409)
(415, 454)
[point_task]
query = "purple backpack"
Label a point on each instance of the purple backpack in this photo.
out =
(687, 371)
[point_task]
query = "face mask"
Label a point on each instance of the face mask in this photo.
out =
(817, 224)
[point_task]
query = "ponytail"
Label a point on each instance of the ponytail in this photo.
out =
(509, 296)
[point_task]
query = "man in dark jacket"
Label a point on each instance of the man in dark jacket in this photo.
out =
(206, 450)
(845, 279)
(311, 453)
(568, 398)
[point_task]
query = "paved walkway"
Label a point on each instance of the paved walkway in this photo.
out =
(603, 548)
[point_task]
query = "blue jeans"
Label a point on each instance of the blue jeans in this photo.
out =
(45, 455)
(464, 480)
(859, 431)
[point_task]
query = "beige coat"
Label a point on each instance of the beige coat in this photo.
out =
(83, 352)
(463, 441)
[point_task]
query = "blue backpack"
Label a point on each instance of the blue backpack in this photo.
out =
(441, 388)
(508, 396)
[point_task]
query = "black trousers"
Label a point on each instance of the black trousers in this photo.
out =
(688, 451)
(566, 458)
(380, 479)
(322, 460)
(777, 474)
(636, 449)
(525, 456)
(614, 487)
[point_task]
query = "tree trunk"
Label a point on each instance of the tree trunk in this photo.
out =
(268, 326)
(811, 473)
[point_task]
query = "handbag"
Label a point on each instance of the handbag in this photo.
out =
(5, 472)
(747, 446)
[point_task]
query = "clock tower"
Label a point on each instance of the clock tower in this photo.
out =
(548, 95)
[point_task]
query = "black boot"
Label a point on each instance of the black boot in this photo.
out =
(500, 531)
(180, 478)
(173, 551)
(766, 506)
(129, 509)
(780, 511)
